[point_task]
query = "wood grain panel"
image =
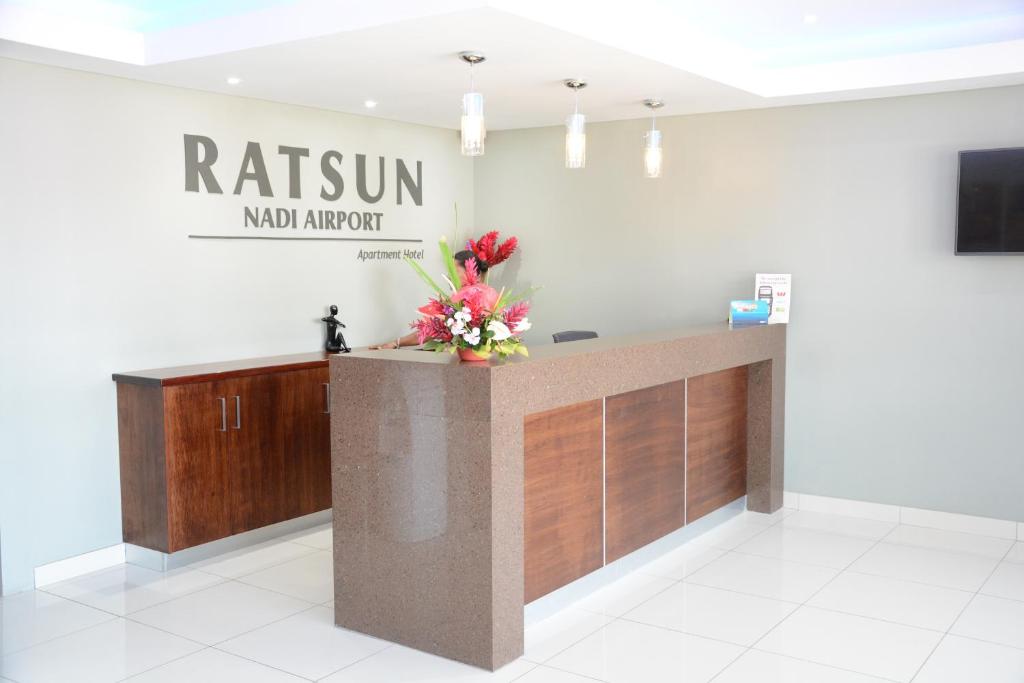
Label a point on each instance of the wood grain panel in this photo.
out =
(198, 471)
(562, 516)
(645, 466)
(716, 440)
(140, 430)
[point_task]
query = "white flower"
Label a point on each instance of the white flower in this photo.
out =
(465, 315)
(472, 337)
(500, 330)
(522, 326)
(449, 322)
(458, 328)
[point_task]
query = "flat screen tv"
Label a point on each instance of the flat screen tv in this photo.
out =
(990, 203)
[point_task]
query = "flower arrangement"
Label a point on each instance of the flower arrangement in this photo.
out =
(472, 319)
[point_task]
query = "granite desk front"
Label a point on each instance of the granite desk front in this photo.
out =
(463, 491)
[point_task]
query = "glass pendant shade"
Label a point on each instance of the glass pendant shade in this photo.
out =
(473, 129)
(576, 141)
(652, 154)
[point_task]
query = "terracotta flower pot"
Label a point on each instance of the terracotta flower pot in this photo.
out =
(471, 356)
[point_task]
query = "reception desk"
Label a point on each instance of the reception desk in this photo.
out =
(463, 491)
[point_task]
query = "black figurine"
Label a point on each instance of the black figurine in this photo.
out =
(335, 339)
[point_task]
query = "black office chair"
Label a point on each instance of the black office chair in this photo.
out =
(573, 335)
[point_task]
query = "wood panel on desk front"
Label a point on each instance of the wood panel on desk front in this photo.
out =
(716, 440)
(562, 516)
(645, 441)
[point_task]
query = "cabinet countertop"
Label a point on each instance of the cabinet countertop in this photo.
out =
(209, 372)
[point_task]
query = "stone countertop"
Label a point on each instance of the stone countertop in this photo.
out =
(542, 352)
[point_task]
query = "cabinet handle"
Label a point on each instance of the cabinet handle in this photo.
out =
(327, 398)
(238, 412)
(223, 415)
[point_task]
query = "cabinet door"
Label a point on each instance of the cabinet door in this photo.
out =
(307, 447)
(279, 451)
(256, 484)
(196, 433)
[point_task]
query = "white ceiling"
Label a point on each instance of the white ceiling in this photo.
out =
(698, 56)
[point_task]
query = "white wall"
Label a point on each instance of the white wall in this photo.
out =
(905, 362)
(98, 275)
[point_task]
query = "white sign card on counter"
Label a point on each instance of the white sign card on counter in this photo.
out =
(777, 290)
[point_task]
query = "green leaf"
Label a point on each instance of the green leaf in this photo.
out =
(423, 274)
(513, 298)
(449, 263)
(523, 351)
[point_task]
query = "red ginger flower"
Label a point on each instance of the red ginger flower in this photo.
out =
(433, 308)
(488, 251)
(515, 313)
(432, 328)
(507, 248)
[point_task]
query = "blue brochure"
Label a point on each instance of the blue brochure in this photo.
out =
(748, 313)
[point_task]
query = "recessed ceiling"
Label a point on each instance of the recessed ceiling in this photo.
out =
(698, 56)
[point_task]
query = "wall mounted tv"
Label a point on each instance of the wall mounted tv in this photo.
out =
(990, 203)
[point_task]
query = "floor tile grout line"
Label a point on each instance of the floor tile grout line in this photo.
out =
(861, 572)
(961, 613)
(828, 666)
(170, 661)
(811, 597)
(310, 550)
(387, 647)
(890, 531)
(221, 580)
(111, 617)
(556, 668)
(674, 582)
(269, 666)
(852, 614)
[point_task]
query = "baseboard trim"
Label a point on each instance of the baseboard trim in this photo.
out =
(932, 519)
(163, 562)
(69, 568)
(123, 553)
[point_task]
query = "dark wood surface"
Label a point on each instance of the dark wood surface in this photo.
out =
(199, 500)
(190, 475)
(208, 372)
(140, 430)
(562, 522)
(645, 466)
(716, 440)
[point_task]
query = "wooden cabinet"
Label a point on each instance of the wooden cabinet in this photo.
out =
(207, 454)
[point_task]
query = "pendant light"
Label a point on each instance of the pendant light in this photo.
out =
(473, 129)
(576, 129)
(652, 142)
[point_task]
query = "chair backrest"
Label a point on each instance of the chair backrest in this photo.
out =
(573, 335)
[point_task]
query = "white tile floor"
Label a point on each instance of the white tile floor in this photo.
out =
(795, 597)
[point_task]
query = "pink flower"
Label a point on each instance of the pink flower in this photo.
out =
(472, 275)
(479, 298)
